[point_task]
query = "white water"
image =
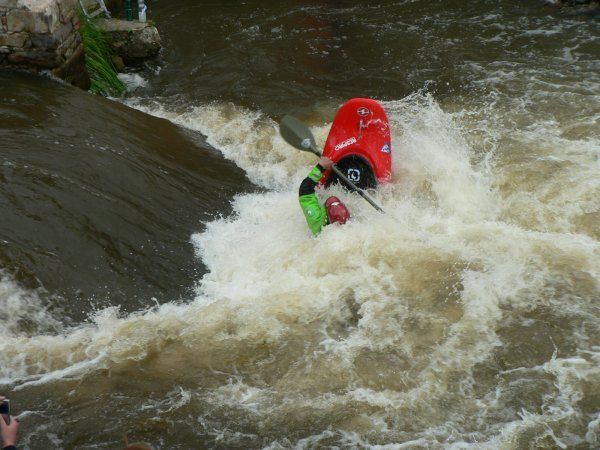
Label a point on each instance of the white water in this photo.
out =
(405, 328)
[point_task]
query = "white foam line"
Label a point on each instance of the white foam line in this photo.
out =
(74, 371)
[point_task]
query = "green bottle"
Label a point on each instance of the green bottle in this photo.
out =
(129, 10)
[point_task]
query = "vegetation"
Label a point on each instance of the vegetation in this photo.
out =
(103, 75)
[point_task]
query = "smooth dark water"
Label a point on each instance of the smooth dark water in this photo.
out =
(99, 200)
(157, 280)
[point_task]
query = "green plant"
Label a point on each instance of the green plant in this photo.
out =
(103, 75)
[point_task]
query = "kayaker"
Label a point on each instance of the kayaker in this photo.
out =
(316, 214)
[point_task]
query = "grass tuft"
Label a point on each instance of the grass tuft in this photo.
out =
(103, 75)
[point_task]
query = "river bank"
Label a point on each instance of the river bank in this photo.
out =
(43, 36)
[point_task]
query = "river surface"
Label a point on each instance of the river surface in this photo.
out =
(158, 280)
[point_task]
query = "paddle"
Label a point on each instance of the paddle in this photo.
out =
(299, 136)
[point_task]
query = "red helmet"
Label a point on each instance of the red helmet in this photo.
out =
(336, 210)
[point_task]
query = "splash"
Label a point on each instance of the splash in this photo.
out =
(24, 312)
(406, 328)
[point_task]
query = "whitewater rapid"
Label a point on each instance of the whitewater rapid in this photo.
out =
(467, 315)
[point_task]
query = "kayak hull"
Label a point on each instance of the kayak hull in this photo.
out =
(359, 143)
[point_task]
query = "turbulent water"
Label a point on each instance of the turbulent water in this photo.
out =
(158, 280)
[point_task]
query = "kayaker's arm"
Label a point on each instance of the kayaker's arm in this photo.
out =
(314, 212)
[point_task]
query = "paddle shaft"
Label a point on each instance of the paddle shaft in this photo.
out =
(299, 136)
(350, 184)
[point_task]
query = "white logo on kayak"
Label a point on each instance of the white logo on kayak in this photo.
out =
(345, 143)
(363, 111)
(354, 175)
(385, 148)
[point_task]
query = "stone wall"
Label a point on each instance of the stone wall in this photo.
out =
(40, 35)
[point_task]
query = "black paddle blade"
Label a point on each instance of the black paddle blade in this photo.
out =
(297, 134)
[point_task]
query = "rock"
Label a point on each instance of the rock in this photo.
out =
(132, 41)
(74, 71)
(143, 45)
(41, 17)
(18, 20)
(47, 60)
(41, 35)
(13, 39)
(118, 63)
(63, 32)
(10, 3)
(68, 43)
(66, 10)
(43, 41)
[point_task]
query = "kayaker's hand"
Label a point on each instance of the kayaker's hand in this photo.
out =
(325, 162)
(9, 432)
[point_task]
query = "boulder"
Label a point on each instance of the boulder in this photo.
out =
(132, 41)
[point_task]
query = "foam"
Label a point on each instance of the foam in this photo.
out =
(21, 309)
(132, 81)
(389, 316)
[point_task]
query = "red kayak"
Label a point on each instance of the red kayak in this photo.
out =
(359, 143)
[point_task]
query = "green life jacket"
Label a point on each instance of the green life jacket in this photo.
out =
(314, 212)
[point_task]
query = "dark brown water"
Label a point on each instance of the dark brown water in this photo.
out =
(99, 200)
(158, 280)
